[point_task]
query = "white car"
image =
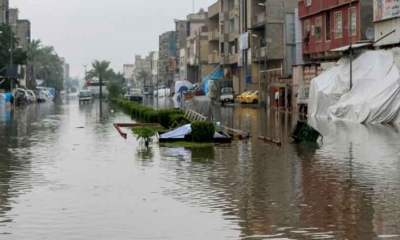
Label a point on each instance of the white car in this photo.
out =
(85, 96)
(135, 95)
(31, 96)
(44, 96)
(227, 95)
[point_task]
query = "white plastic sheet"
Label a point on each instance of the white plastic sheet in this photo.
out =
(374, 97)
(181, 132)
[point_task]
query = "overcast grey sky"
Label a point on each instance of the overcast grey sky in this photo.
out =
(113, 30)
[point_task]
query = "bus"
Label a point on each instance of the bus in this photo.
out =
(94, 86)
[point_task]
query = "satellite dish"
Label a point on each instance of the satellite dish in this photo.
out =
(370, 33)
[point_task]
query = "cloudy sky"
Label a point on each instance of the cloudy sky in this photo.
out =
(113, 30)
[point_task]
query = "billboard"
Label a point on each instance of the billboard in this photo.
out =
(386, 9)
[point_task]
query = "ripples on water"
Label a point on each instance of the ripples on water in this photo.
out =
(64, 174)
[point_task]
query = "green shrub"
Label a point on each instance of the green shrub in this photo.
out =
(178, 118)
(203, 131)
(164, 119)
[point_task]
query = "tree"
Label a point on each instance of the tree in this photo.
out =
(102, 71)
(143, 75)
(46, 64)
(9, 42)
(116, 86)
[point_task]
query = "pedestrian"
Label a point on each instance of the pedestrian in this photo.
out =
(277, 98)
(289, 99)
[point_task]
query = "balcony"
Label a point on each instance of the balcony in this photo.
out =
(233, 58)
(213, 35)
(213, 10)
(260, 55)
(259, 20)
(214, 58)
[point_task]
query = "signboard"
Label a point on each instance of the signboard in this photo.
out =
(308, 2)
(386, 9)
(244, 41)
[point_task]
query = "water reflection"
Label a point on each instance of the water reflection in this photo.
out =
(60, 162)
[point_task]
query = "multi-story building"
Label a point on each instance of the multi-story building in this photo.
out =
(181, 32)
(23, 33)
(4, 5)
(332, 24)
(197, 47)
(142, 64)
(154, 68)
(127, 70)
(167, 62)
(13, 19)
(230, 18)
(387, 22)
(214, 34)
(272, 45)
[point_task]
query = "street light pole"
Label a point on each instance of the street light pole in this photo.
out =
(351, 47)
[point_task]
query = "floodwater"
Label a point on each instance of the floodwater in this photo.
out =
(66, 175)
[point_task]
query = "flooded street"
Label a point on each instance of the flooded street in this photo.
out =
(66, 175)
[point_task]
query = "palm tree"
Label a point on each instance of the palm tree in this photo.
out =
(143, 75)
(102, 71)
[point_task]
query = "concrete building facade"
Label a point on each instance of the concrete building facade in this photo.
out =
(154, 68)
(142, 64)
(197, 46)
(24, 33)
(167, 54)
(127, 70)
(4, 14)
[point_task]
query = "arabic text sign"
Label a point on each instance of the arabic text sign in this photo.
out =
(386, 9)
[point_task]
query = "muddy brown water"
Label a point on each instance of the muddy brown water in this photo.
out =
(66, 175)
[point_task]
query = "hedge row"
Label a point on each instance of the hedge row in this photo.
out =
(144, 114)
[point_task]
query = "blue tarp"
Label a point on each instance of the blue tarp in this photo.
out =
(5, 98)
(217, 74)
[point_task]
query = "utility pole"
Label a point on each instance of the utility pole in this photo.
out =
(351, 43)
(246, 50)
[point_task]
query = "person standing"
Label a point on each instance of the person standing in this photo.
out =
(277, 98)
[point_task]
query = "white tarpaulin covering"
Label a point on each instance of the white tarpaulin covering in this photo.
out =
(374, 97)
(181, 132)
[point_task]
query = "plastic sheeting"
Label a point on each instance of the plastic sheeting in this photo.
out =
(181, 132)
(201, 105)
(217, 74)
(374, 97)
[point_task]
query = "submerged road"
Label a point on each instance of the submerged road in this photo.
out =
(66, 175)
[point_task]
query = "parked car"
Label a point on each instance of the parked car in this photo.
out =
(227, 95)
(31, 96)
(242, 97)
(44, 96)
(135, 95)
(252, 98)
(85, 96)
(22, 96)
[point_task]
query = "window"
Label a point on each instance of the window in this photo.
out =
(318, 29)
(352, 22)
(231, 4)
(307, 32)
(338, 25)
(231, 25)
(307, 28)
(328, 26)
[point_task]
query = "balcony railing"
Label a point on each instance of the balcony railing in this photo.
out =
(213, 35)
(214, 58)
(259, 19)
(261, 53)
